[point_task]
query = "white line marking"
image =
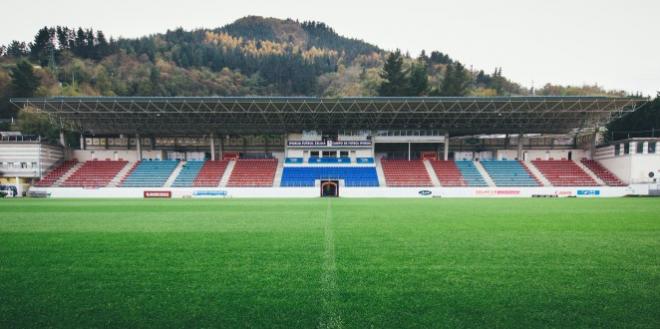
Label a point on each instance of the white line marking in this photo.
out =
(330, 317)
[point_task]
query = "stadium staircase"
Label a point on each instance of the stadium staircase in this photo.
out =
(380, 173)
(95, 173)
(211, 173)
(175, 173)
(253, 173)
(447, 173)
(431, 172)
(590, 173)
(601, 172)
(470, 173)
(186, 173)
(119, 178)
(484, 174)
(404, 173)
(56, 173)
(509, 173)
(278, 173)
(564, 173)
(230, 169)
(536, 173)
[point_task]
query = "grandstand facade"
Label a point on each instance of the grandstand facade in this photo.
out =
(353, 147)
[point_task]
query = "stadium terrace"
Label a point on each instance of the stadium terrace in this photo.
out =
(349, 147)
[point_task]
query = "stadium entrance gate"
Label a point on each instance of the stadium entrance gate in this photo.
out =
(329, 188)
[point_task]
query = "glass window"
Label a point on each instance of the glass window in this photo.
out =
(640, 147)
(314, 154)
(343, 154)
(34, 165)
(651, 148)
(626, 148)
(617, 149)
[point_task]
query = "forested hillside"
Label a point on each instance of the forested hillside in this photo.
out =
(252, 56)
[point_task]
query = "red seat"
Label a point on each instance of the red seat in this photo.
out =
(404, 173)
(607, 176)
(56, 173)
(253, 173)
(448, 173)
(564, 173)
(211, 173)
(94, 174)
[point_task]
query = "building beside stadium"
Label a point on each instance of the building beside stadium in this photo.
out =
(352, 147)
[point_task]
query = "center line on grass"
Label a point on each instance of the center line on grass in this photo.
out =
(330, 317)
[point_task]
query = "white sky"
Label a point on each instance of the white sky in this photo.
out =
(612, 43)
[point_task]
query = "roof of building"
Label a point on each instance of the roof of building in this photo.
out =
(241, 115)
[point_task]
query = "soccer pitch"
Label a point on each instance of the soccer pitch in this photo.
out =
(343, 263)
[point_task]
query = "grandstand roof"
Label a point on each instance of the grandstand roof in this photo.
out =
(235, 115)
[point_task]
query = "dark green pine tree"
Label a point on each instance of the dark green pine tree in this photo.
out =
(456, 82)
(419, 80)
(23, 81)
(396, 82)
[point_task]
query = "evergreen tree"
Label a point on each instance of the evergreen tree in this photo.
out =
(23, 81)
(419, 80)
(43, 43)
(17, 49)
(456, 81)
(395, 81)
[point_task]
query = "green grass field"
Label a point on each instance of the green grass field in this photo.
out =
(343, 263)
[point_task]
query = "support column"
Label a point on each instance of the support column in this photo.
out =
(138, 146)
(408, 151)
(212, 146)
(593, 143)
(645, 148)
(446, 151)
(520, 146)
(220, 147)
(62, 141)
(82, 142)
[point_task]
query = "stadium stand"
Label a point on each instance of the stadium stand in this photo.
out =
(448, 173)
(605, 175)
(352, 176)
(509, 173)
(563, 173)
(95, 174)
(188, 173)
(211, 173)
(56, 173)
(150, 173)
(253, 173)
(404, 173)
(470, 174)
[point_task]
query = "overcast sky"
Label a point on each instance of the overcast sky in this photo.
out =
(612, 43)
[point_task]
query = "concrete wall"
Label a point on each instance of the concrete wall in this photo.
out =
(632, 168)
(380, 192)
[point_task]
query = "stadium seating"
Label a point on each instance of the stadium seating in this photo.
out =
(605, 175)
(56, 173)
(364, 160)
(150, 173)
(95, 174)
(188, 173)
(448, 173)
(404, 173)
(509, 173)
(253, 173)
(563, 173)
(352, 176)
(470, 174)
(211, 174)
(294, 160)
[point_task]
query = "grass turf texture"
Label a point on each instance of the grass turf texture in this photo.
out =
(524, 263)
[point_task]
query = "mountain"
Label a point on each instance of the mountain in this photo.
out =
(251, 56)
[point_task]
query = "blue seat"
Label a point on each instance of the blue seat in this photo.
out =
(352, 176)
(313, 160)
(151, 173)
(509, 173)
(188, 173)
(471, 175)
